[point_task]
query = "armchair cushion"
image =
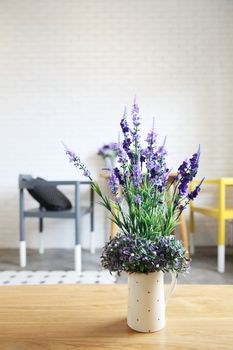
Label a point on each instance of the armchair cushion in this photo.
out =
(49, 197)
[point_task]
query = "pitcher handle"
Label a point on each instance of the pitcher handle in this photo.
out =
(172, 286)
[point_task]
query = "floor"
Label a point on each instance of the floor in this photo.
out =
(203, 264)
(25, 277)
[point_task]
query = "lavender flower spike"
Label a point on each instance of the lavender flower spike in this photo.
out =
(136, 175)
(72, 156)
(161, 149)
(135, 113)
(113, 183)
(192, 195)
(194, 162)
(124, 124)
(151, 138)
(121, 154)
(77, 162)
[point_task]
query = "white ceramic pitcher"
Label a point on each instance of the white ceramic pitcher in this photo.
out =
(147, 301)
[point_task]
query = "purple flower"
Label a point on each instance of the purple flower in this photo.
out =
(187, 171)
(138, 199)
(158, 180)
(151, 138)
(126, 144)
(108, 150)
(183, 186)
(135, 114)
(153, 164)
(142, 156)
(77, 162)
(86, 173)
(181, 208)
(194, 162)
(136, 175)
(132, 157)
(192, 195)
(113, 183)
(189, 167)
(164, 178)
(183, 168)
(121, 154)
(162, 151)
(148, 152)
(157, 169)
(124, 126)
(135, 137)
(119, 176)
(73, 157)
(130, 253)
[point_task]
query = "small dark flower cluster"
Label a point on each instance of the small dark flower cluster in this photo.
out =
(129, 253)
(108, 150)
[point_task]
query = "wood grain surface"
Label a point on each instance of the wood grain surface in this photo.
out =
(94, 317)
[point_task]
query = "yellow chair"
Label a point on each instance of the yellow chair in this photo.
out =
(221, 213)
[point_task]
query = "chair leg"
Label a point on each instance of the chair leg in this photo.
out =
(221, 245)
(77, 258)
(41, 225)
(92, 233)
(41, 237)
(221, 258)
(22, 254)
(191, 234)
(22, 243)
(41, 243)
(92, 242)
(77, 247)
(191, 243)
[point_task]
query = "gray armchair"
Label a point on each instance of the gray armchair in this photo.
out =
(29, 183)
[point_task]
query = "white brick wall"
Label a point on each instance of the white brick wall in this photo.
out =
(67, 68)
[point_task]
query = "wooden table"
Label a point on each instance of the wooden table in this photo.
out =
(94, 317)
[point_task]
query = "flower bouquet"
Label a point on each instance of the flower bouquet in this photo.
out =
(146, 206)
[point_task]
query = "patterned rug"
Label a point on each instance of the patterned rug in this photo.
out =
(55, 277)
